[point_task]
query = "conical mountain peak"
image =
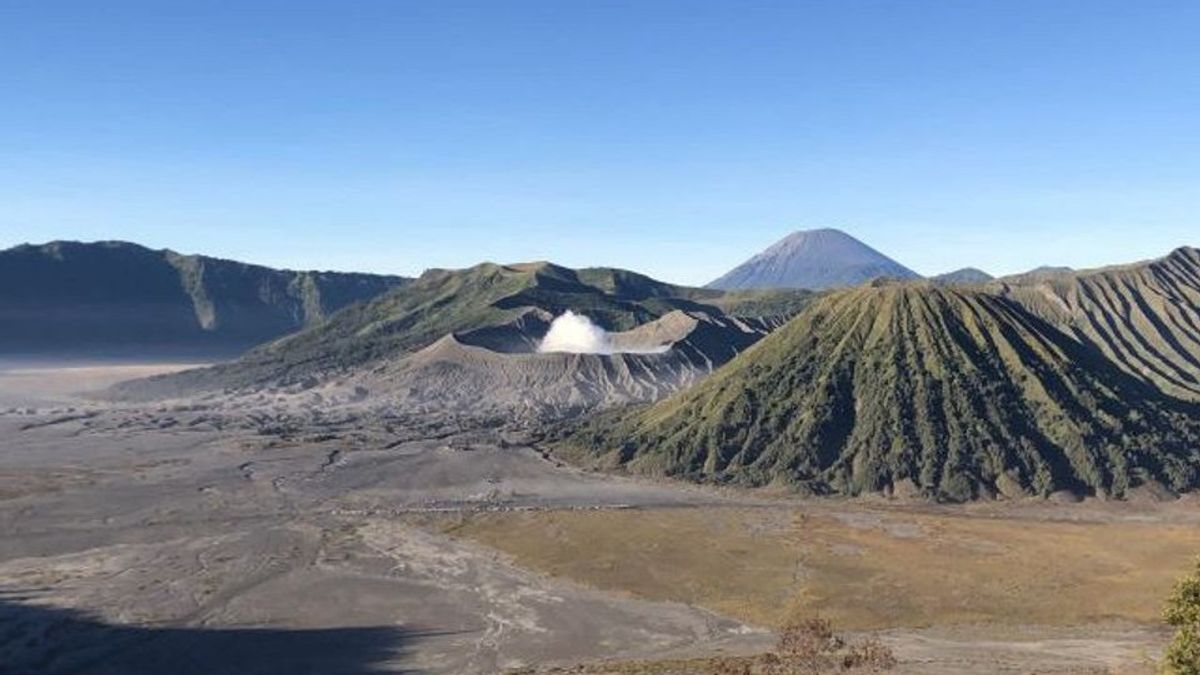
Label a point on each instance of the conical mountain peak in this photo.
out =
(814, 259)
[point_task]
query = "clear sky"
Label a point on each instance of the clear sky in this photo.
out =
(675, 138)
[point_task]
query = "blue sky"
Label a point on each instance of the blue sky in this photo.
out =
(675, 138)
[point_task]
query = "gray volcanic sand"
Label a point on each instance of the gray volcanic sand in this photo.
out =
(130, 540)
(217, 537)
(24, 383)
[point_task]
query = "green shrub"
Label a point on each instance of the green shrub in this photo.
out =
(1183, 612)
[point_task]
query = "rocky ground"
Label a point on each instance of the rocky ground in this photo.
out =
(277, 535)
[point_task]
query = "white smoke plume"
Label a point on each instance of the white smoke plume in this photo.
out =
(575, 334)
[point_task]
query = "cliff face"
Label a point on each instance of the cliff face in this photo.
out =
(115, 297)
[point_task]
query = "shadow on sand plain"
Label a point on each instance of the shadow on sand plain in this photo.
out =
(45, 640)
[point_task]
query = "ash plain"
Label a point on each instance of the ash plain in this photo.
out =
(277, 534)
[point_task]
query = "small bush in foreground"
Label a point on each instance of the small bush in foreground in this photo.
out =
(810, 647)
(1183, 612)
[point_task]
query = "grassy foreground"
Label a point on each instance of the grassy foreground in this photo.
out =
(861, 568)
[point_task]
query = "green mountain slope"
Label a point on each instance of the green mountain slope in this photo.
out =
(1145, 317)
(118, 297)
(489, 299)
(954, 391)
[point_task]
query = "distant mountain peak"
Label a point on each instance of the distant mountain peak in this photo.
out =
(815, 259)
(1043, 273)
(966, 275)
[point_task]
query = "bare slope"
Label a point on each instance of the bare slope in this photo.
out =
(956, 393)
(1145, 317)
(813, 259)
(495, 372)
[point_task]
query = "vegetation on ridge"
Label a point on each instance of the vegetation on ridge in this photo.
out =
(441, 302)
(953, 392)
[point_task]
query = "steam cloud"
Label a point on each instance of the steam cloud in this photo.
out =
(576, 334)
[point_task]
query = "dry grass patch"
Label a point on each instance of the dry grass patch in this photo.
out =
(858, 567)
